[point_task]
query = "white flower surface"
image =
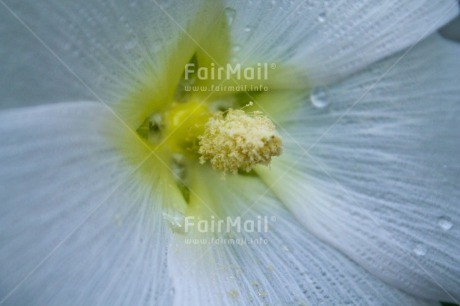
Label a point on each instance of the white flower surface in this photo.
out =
(363, 201)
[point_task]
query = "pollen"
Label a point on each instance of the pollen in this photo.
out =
(236, 140)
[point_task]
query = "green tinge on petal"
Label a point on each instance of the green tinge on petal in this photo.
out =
(160, 77)
(152, 167)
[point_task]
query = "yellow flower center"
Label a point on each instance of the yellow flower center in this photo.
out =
(183, 124)
(187, 105)
(230, 140)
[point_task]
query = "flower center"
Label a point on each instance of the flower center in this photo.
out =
(182, 125)
(229, 140)
(186, 103)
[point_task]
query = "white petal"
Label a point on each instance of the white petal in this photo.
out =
(377, 173)
(114, 50)
(318, 42)
(30, 74)
(78, 226)
(291, 267)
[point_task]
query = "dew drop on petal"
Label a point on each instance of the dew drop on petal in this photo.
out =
(230, 14)
(445, 223)
(319, 97)
(420, 250)
(321, 17)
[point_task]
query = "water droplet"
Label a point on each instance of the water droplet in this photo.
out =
(319, 97)
(247, 29)
(444, 223)
(230, 14)
(420, 250)
(321, 17)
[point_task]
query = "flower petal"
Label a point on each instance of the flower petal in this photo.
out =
(115, 49)
(377, 171)
(78, 225)
(30, 74)
(319, 42)
(291, 267)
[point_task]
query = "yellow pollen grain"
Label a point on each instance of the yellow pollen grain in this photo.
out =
(238, 141)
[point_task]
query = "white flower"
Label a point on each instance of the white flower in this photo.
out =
(362, 204)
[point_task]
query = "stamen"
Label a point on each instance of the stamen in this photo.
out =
(238, 141)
